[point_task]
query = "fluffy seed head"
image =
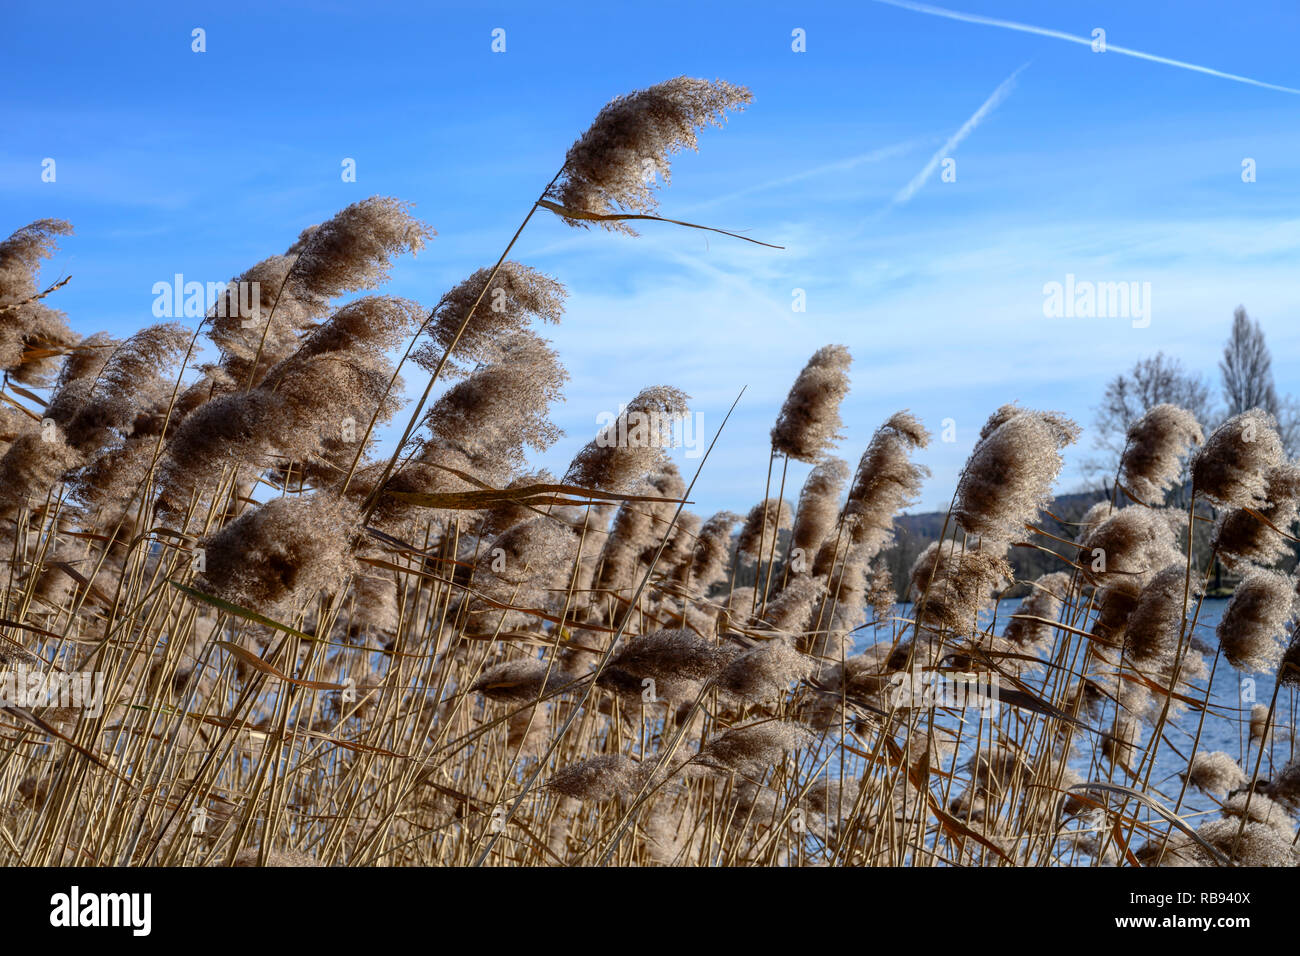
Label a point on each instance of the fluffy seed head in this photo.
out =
(1241, 538)
(350, 252)
(372, 323)
(516, 296)
(632, 445)
(135, 375)
(952, 586)
(881, 593)
(1215, 773)
(493, 416)
(809, 422)
(790, 611)
(1094, 516)
(613, 166)
(679, 552)
(519, 680)
(228, 430)
(1260, 730)
(281, 554)
(885, 483)
(1232, 468)
(28, 327)
(1255, 620)
(765, 671)
(1130, 546)
(1010, 473)
(1285, 786)
(518, 568)
(1156, 623)
(1156, 445)
(1044, 602)
(353, 249)
(30, 467)
(753, 748)
(1116, 604)
(761, 526)
(596, 779)
(819, 504)
(638, 529)
(671, 655)
(1259, 844)
(1288, 668)
(712, 548)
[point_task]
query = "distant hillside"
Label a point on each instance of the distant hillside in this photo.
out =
(915, 531)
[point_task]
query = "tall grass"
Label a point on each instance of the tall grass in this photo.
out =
(314, 654)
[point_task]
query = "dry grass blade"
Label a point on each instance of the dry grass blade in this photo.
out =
(265, 667)
(623, 217)
(1159, 808)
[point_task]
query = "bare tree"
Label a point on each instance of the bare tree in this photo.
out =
(1247, 368)
(1288, 424)
(1247, 371)
(1152, 381)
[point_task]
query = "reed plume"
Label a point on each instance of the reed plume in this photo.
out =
(765, 671)
(672, 655)
(613, 165)
(519, 680)
(280, 554)
(754, 748)
(886, 482)
(1255, 619)
(1157, 622)
(1155, 445)
(350, 252)
(1010, 473)
(1044, 603)
(952, 585)
(516, 297)
(1130, 546)
(1232, 467)
(1215, 773)
(809, 422)
(632, 445)
(819, 504)
(1254, 536)
(712, 547)
(596, 779)
(761, 526)
(32, 335)
(491, 419)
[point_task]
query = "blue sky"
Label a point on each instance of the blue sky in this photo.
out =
(1103, 165)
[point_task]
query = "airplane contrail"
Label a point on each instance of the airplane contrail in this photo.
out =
(841, 165)
(1085, 41)
(989, 105)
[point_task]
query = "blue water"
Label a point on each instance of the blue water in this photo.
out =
(1226, 726)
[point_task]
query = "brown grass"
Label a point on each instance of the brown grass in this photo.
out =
(312, 654)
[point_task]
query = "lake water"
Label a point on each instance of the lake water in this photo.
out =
(1227, 724)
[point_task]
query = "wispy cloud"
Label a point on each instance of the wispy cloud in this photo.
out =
(989, 105)
(1085, 41)
(839, 166)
